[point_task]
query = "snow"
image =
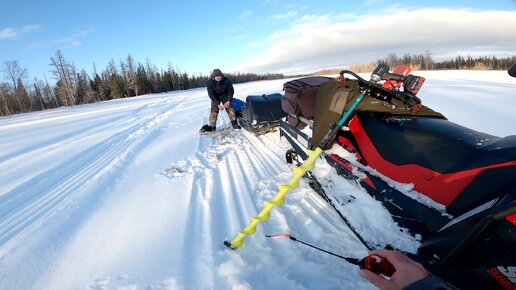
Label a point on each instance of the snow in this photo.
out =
(125, 194)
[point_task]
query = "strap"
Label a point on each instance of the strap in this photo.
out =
(342, 79)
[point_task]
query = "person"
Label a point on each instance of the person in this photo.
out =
(220, 91)
(409, 274)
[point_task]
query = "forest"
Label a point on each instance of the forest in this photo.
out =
(127, 78)
(426, 62)
(130, 78)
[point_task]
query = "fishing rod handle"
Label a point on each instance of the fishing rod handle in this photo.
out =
(378, 265)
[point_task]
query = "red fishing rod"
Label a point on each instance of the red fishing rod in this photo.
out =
(373, 263)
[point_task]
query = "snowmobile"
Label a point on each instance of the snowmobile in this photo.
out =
(463, 196)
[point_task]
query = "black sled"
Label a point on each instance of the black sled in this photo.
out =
(469, 239)
(261, 113)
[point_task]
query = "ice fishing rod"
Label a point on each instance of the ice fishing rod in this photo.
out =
(373, 263)
(315, 185)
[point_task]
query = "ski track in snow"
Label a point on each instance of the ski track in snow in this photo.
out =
(31, 203)
(219, 197)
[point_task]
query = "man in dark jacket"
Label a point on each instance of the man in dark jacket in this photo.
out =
(220, 90)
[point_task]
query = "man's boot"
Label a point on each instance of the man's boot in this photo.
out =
(235, 125)
(207, 128)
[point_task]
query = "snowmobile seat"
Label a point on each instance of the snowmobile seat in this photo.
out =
(453, 165)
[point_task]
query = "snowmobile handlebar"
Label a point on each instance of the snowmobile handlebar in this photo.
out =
(406, 99)
(369, 88)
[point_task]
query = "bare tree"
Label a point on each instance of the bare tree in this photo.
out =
(151, 72)
(16, 75)
(392, 59)
(63, 71)
(174, 76)
(129, 72)
(13, 72)
(48, 93)
(429, 61)
(4, 97)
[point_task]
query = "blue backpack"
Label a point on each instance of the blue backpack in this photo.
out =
(238, 105)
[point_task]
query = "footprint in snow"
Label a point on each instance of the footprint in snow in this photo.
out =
(178, 169)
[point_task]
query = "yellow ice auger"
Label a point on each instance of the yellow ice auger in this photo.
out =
(279, 199)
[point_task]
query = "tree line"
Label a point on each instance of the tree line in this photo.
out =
(426, 62)
(127, 78)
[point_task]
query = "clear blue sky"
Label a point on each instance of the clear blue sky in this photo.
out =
(249, 36)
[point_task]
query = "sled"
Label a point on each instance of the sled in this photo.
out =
(262, 113)
(463, 201)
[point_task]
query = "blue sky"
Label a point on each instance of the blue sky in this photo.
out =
(249, 36)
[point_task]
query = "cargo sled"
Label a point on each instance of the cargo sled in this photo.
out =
(463, 201)
(261, 113)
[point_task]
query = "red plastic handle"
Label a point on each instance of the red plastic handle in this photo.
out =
(378, 265)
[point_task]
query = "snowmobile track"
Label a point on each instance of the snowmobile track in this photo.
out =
(29, 205)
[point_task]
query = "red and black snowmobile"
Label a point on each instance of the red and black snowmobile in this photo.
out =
(469, 238)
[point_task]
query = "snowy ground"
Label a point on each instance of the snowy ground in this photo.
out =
(125, 195)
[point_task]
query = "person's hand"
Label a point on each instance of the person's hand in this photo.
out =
(226, 104)
(407, 271)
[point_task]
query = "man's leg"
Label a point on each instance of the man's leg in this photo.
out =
(231, 113)
(214, 112)
(232, 117)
